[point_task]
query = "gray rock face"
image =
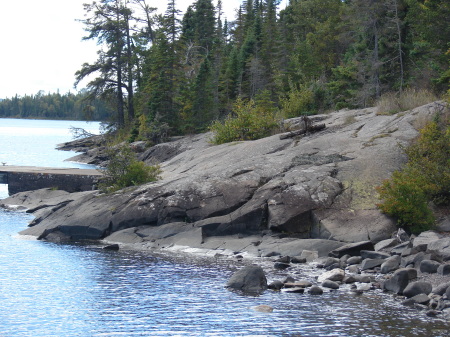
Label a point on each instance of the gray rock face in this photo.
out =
(416, 288)
(321, 187)
(250, 279)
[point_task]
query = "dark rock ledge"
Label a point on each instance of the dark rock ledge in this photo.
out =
(297, 197)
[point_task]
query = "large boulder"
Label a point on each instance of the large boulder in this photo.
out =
(250, 279)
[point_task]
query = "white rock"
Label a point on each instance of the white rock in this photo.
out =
(336, 274)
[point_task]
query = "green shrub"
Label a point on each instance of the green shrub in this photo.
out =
(404, 199)
(250, 121)
(125, 170)
(425, 178)
(299, 102)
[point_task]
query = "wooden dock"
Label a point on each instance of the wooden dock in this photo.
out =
(26, 178)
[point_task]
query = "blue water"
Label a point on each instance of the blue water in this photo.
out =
(48, 289)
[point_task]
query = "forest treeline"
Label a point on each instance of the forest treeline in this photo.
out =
(182, 72)
(68, 106)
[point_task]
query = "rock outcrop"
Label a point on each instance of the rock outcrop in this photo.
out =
(319, 188)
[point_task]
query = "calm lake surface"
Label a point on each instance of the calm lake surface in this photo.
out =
(48, 289)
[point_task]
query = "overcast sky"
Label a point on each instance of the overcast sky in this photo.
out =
(41, 46)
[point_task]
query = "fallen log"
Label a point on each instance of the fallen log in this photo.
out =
(302, 131)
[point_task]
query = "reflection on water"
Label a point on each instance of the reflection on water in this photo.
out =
(48, 289)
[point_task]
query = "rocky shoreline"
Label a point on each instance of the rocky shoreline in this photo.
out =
(295, 203)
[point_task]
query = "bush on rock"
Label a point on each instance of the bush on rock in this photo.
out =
(425, 178)
(125, 170)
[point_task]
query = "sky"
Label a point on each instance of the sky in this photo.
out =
(42, 48)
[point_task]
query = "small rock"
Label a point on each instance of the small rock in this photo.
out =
(421, 299)
(112, 247)
(263, 308)
(433, 313)
(289, 279)
(297, 259)
(397, 250)
(385, 244)
(315, 290)
(447, 293)
(421, 242)
(298, 290)
(440, 289)
(349, 279)
(330, 261)
(371, 263)
(398, 282)
(412, 273)
(368, 254)
(365, 287)
(364, 278)
(391, 264)
(298, 284)
(249, 279)
(332, 275)
(416, 288)
(409, 251)
(284, 259)
(353, 249)
(354, 269)
(354, 260)
(444, 269)
(281, 265)
(330, 284)
(345, 258)
(271, 254)
(309, 255)
(409, 302)
(429, 266)
(276, 285)
(402, 236)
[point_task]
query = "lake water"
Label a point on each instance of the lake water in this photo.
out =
(48, 289)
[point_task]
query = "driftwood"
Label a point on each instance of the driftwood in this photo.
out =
(304, 130)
